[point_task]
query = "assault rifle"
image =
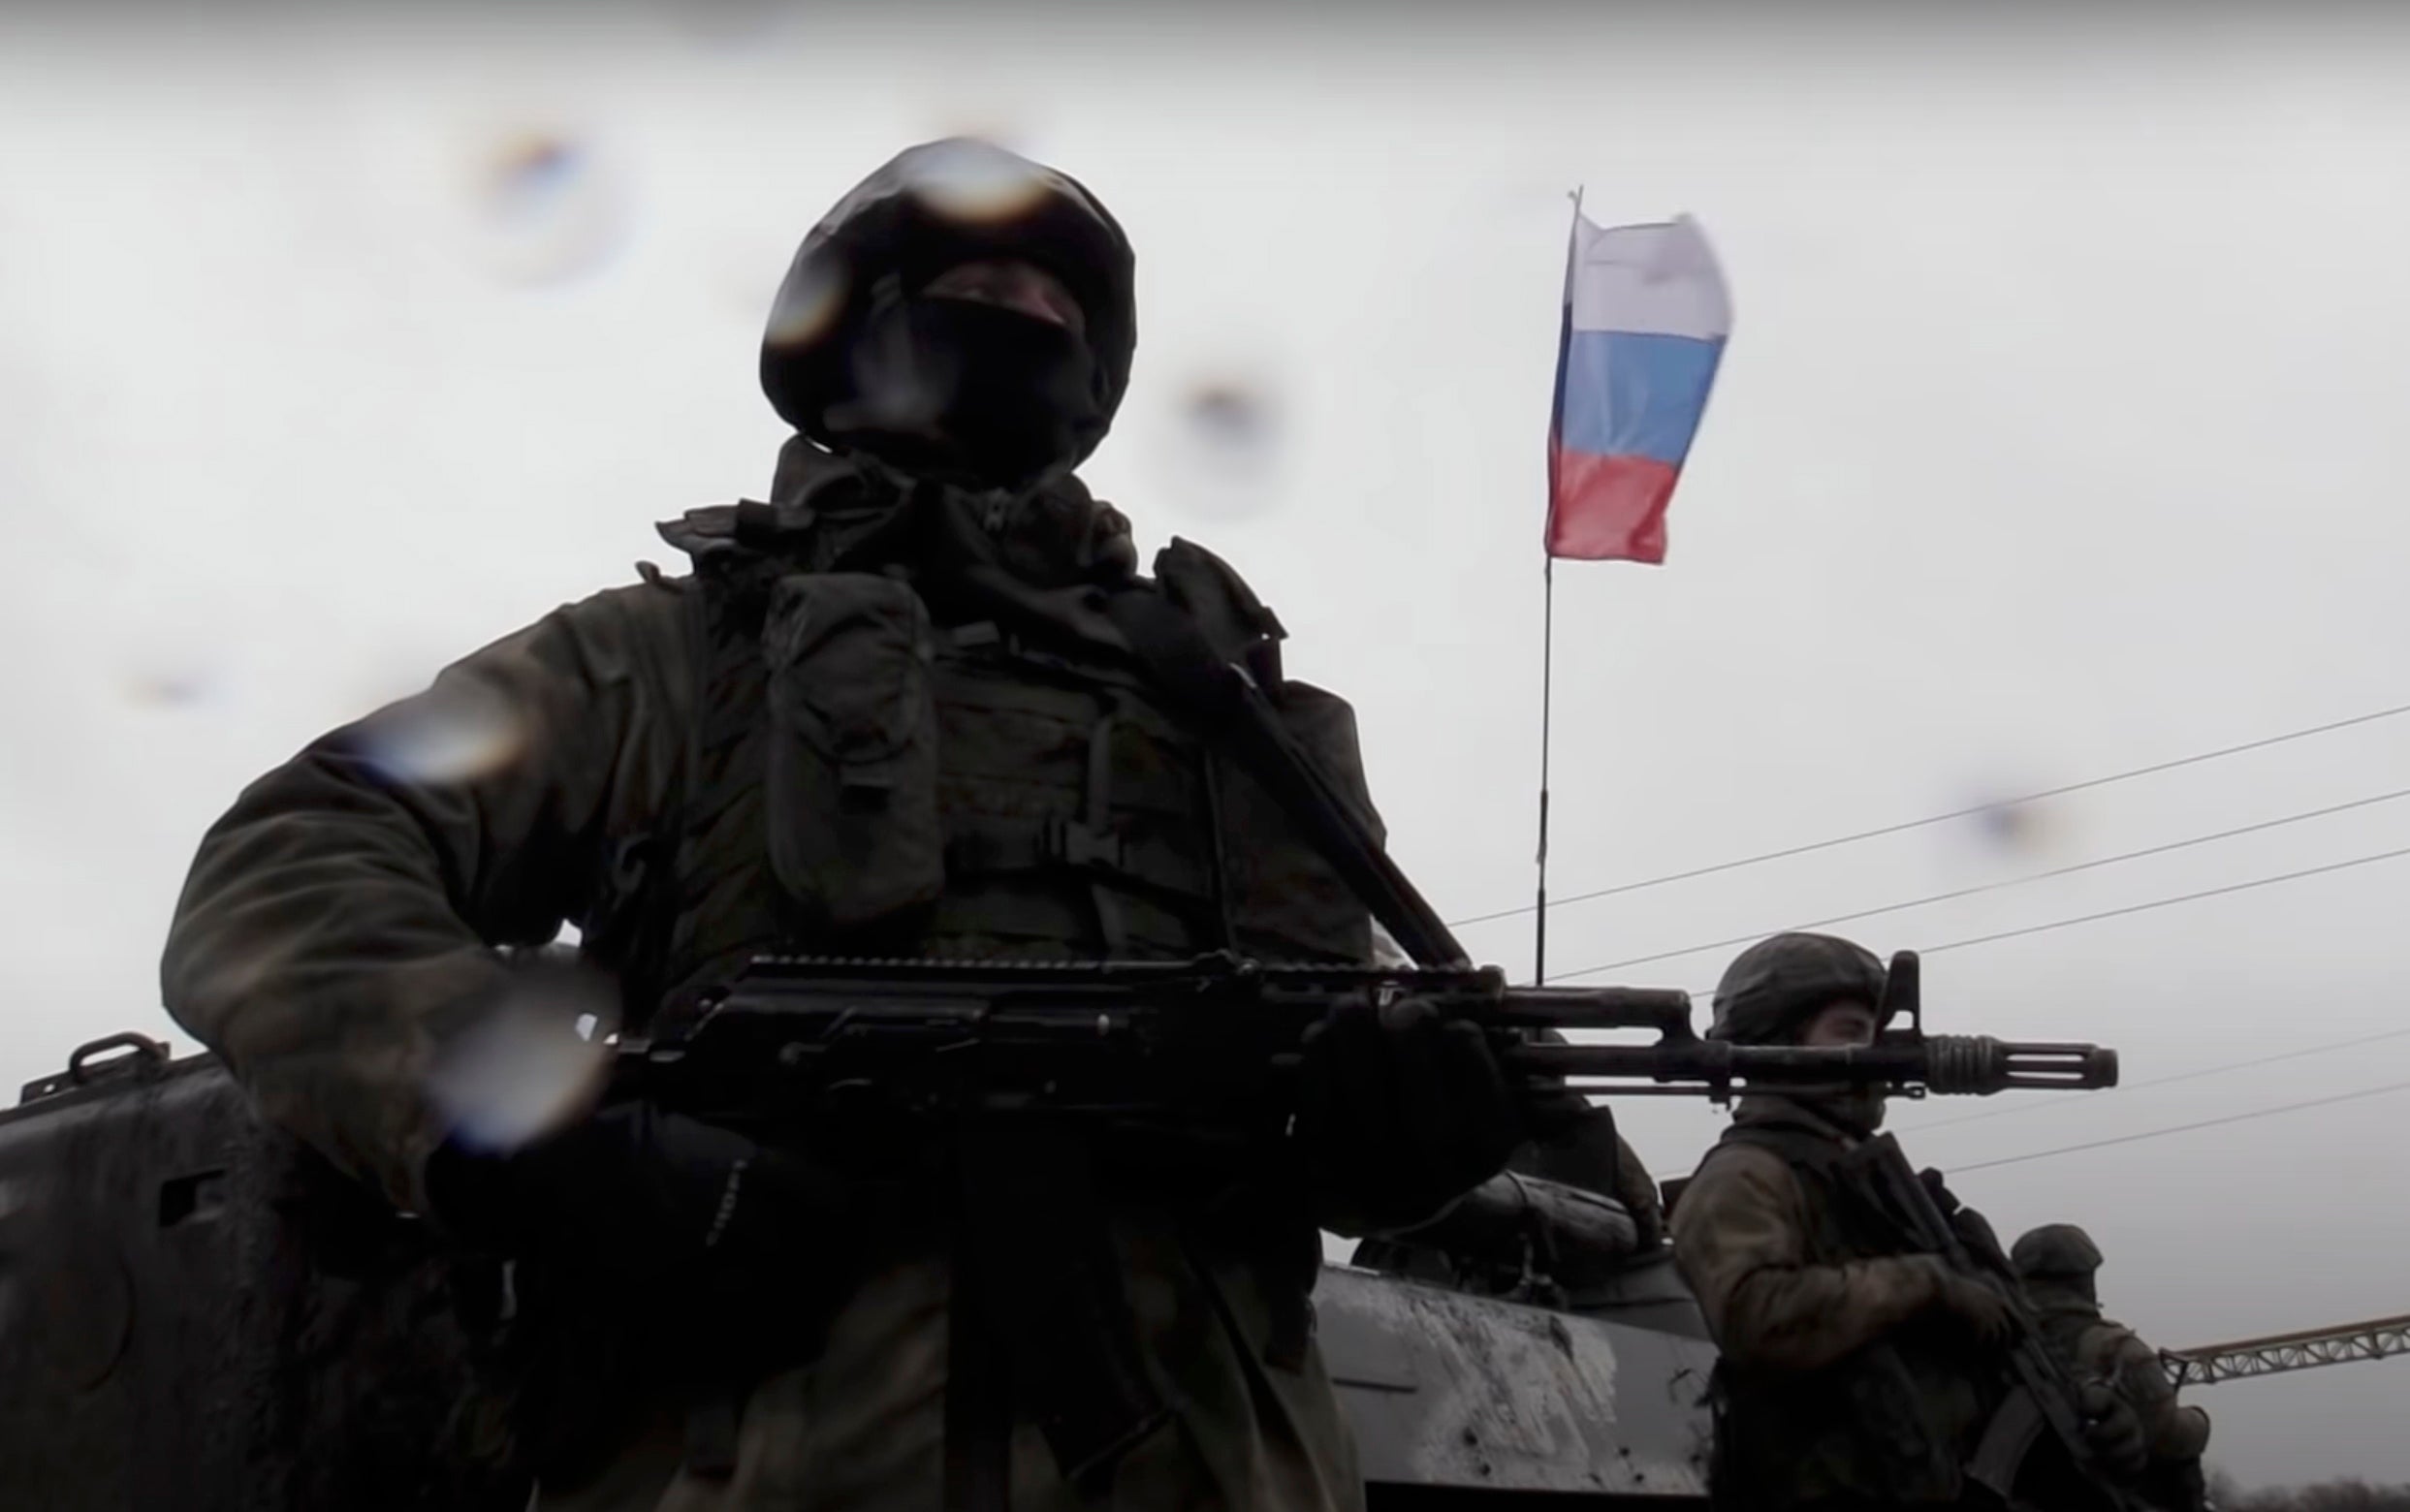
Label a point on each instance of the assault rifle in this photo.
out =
(1182, 1066)
(2042, 1409)
(1213, 1038)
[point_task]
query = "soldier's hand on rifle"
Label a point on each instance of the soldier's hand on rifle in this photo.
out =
(2114, 1431)
(1399, 1111)
(638, 1191)
(1986, 1316)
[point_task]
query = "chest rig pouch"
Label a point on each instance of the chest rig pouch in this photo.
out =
(850, 776)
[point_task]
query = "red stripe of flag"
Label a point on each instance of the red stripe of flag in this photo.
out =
(1608, 507)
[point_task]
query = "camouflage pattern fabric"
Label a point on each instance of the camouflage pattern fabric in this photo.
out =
(2099, 1348)
(1783, 978)
(1837, 1384)
(1745, 1241)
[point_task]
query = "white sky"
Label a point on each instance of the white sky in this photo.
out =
(2061, 431)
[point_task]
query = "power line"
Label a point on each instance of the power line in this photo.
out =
(2143, 1134)
(2092, 918)
(2170, 902)
(1944, 818)
(2186, 1128)
(1993, 887)
(2253, 1063)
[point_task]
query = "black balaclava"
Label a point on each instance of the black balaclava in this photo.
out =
(960, 386)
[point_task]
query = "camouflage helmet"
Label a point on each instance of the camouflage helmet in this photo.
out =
(1773, 984)
(931, 207)
(2055, 1249)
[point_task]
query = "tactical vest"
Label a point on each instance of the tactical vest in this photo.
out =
(1889, 1424)
(867, 779)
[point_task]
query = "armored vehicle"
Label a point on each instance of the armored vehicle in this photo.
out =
(198, 1314)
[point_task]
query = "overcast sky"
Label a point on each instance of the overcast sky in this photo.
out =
(2062, 432)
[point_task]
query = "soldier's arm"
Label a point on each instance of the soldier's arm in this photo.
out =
(1638, 1192)
(340, 920)
(1740, 1240)
(2176, 1432)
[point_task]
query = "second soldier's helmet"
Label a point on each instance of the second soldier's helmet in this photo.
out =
(2055, 1249)
(931, 207)
(1773, 984)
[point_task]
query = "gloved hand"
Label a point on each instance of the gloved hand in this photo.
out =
(2114, 1431)
(1986, 1316)
(636, 1191)
(1399, 1111)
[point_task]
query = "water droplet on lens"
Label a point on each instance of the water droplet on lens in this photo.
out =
(530, 1064)
(455, 732)
(170, 686)
(970, 180)
(549, 207)
(1224, 454)
(808, 304)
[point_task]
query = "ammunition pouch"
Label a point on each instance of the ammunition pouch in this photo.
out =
(851, 779)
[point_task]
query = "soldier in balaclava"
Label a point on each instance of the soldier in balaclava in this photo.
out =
(888, 712)
(1855, 1372)
(2060, 1266)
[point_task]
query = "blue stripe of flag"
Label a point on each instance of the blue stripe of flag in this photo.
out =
(1623, 395)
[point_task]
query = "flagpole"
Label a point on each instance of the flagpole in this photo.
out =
(1547, 640)
(1547, 684)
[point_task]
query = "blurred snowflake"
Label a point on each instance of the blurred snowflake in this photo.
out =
(2008, 826)
(728, 24)
(170, 686)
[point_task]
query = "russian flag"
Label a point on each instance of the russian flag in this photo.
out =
(1646, 314)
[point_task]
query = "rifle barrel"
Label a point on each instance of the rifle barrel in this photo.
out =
(1947, 1064)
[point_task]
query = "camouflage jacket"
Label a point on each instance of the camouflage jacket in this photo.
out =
(2098, 1348)
(1745, 1242)
(1833, 1382)
(341, 925)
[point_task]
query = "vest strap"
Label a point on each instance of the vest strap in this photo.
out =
(1230, 709)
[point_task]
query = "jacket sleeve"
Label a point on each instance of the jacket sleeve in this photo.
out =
(1740, 1240)
(1638, 1192)
(1589, 1153)
(340, 922)
(2176, 1432)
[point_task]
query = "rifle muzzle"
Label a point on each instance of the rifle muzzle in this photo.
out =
(1978, 1064)
(1946, 1064)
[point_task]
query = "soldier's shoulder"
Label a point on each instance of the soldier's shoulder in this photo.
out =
(653, 606)
(653, 600)
(1741, 1161)
(1733, 1173)
(1211, 591)
(631, 632)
